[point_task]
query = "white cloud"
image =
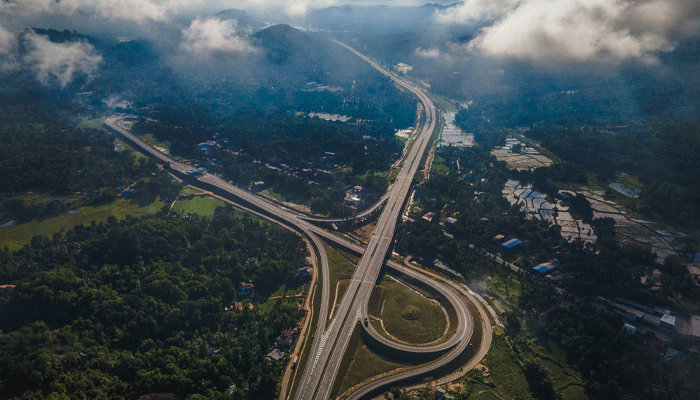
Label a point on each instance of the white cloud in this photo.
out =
(134, 10)
(59, 61)
(8, 46)
(8, 41)
(429, 53)
(212, 36)
(115, 101)
(474, 10)
(555, 31)
(292, 8)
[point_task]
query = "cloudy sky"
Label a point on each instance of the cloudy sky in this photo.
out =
(543, 31)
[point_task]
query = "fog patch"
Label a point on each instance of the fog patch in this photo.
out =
(8, 48)
(114, 101)
(429, 53)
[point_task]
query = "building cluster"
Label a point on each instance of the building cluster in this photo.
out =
(657, 319)
(354, 196)
(306, 271)
(282, 345)
(246, 289)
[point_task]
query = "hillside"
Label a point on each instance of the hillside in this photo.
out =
(243, 20)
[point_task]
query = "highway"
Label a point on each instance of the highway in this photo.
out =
(328, 347)
(320, 373)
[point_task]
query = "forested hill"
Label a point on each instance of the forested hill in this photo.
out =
(124, 309)
(243, 20)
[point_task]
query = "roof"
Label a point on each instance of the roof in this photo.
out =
(629, 329)
(695, 325)
(450, 220)
(668, 319)
(511, 243)
(275, 355)
(545, 267)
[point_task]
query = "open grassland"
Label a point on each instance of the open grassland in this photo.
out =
(438, 166)
(340, 271)
(365, 365)
(202, 206)
(503, 376)
(443, 103)
(409, 316)
(16, 236)
(148, 138)
(97, 123)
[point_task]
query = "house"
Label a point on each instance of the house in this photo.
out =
(428, 216)
(543, 268)
(275, 355)
(450, 221)
(288, 336)
(235, 306)
(304, 273)
(498, 238)
(695, 327)
(245, 289)
(231, 390)
(668, 322)
(673, 355)
(629, 329)
(511, 244)
(353, 200)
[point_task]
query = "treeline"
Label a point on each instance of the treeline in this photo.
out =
(63, 159)
(124, 309)
(664, 159)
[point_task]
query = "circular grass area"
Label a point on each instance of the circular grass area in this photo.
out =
(409, 316)
(411, 313)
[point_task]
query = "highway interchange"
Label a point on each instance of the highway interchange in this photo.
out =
(329, 345)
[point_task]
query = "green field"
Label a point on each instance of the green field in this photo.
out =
(97, 123)
(507, 355)
(438, 166)
(17, 236)
(339, 268)
(366, 365)
(443, 103)
(428, 326)
(121, 145)
(202, 206)
(148, 138)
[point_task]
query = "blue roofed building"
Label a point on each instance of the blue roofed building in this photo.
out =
(511, 244)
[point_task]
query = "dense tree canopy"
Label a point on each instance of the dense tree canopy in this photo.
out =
(123, 309)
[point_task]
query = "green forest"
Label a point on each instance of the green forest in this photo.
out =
(473, 198)
(132, 307)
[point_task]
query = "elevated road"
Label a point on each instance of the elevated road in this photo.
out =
(320, 373)
(329, 346)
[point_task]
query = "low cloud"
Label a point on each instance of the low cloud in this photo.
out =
(59, 63)
(471, 11)
(115, 101)
(212, 36)
(133, 10)
(429, 53)
(566, 31)
(8, 46)
(292, 8)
